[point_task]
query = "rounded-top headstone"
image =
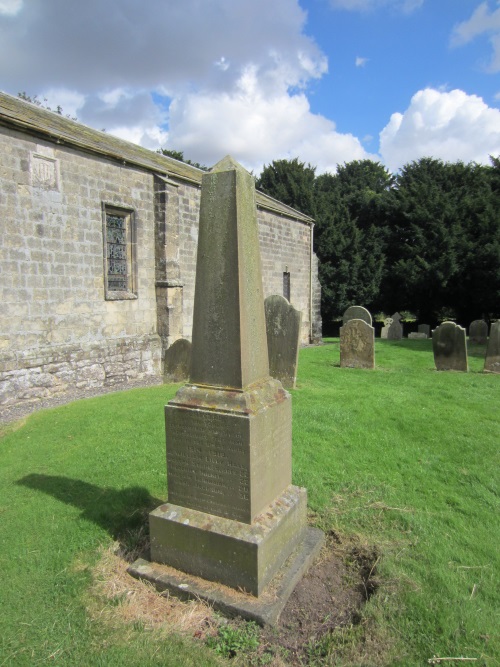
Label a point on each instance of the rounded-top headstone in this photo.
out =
(283, 339)
(450, 347)
(357, 313)
(478, 332)
(357, 345)
(492, 361)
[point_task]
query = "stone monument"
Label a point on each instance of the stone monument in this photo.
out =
(385, 329)
(478, 332)
(283, 339)
(232, 514)
(492, 361)
(357, 345)
(357, 313)
(425, 329)
(417, 335)
(450, 347)
(177, 361)
(395, 328)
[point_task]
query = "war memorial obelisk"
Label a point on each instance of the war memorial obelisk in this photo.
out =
(232, 515)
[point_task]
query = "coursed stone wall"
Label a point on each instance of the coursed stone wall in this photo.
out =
(58, 329)
(285, 248)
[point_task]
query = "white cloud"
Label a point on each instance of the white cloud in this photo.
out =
(10, 7)
(222, 63)
(149, 136)
(229, 89)
(361, 62)
(448, 125)
(70, 101)
(406, 6)
(482, 22)
(106, 45)
(257, 128)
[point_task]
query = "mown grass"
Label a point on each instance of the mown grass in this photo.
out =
(402, 458)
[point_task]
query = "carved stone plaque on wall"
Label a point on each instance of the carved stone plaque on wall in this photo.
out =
(44, 172)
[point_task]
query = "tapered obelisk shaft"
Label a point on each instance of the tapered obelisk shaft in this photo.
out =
(229, 329)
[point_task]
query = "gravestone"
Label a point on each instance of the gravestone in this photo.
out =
(492, 361)
(385, 329)
(417, 335)
(424, 328)
(283, 339)
(357, 345)
(395, 328)
(450, 347)
(177, 361)
(478, 332)
(232, 514)
(357, 313)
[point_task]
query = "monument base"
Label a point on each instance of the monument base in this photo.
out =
(265, 609)
(239, 555)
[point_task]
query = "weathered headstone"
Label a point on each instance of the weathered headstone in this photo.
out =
(478, 332)
(232, 514)
(492, 361)
(177, 361)
(357, 313)
(385, 329)
(395, 328)
(283, 339)
(424, 328)
(357, 345)
(417, 335)
(450, 347)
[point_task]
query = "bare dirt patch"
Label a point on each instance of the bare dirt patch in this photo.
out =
(329, 598)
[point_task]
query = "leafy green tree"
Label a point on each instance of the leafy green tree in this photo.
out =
(179, 155)
(478, 293)
(291, 182)
(351, 234)
(444, 243)
(426, 241)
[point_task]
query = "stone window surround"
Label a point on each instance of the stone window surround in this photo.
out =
(129, 215)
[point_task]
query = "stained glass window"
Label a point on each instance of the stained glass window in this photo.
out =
(120, 266)
(116, 240)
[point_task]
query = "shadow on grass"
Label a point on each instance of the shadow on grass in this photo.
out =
(122, 513)
(415, 345)
(473, 349)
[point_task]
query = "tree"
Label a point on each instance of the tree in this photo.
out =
(336, 242)
(34, 99)
(179, 155)
(291, 182)
(426, 241)
(351, 221)
(444, 247)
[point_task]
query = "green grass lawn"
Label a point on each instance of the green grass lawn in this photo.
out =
(403, 459)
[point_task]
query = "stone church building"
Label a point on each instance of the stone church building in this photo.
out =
(98, 255)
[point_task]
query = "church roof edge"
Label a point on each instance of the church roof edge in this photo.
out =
(21, 115)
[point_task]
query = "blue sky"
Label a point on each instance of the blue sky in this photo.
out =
(380, 55)
(327, 81)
